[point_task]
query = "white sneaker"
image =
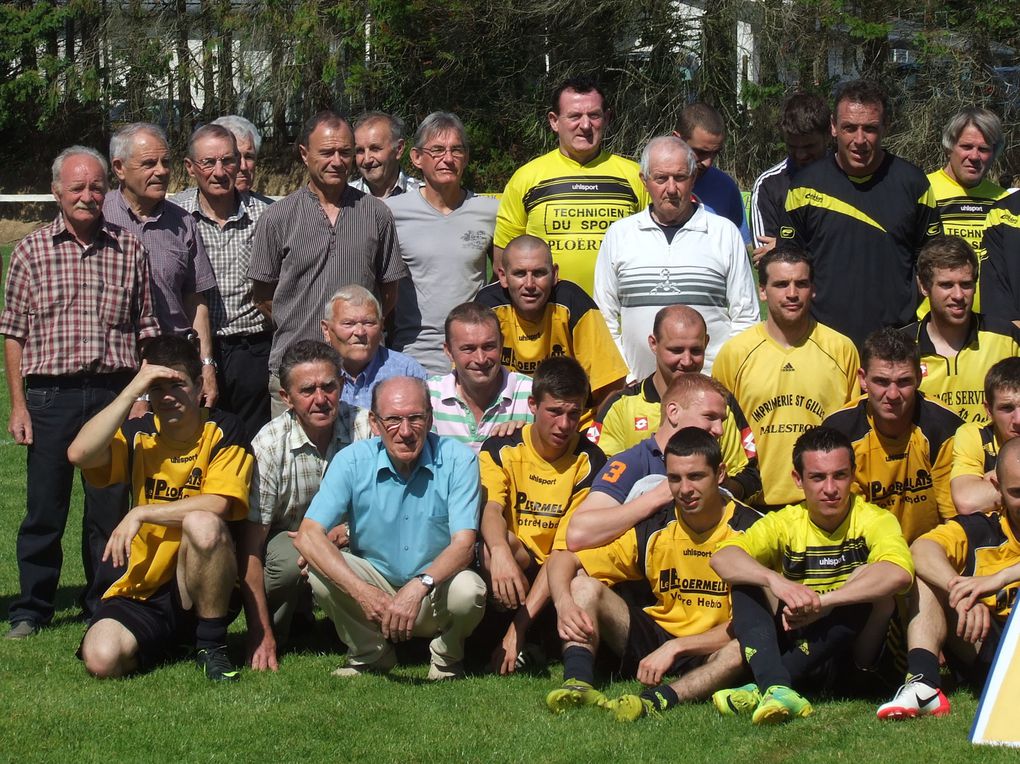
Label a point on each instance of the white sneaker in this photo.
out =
(439, 673)
(915, 698)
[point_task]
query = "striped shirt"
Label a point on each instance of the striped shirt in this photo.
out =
(452, 418)
(231, 310)
(289, 468)
(404, 184)
(178, 264)
(308, 258)
(79, 309)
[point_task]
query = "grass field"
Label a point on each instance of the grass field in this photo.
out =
(51, 711)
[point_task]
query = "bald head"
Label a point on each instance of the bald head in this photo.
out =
(678, 315)
(528, 274)
(678, 342)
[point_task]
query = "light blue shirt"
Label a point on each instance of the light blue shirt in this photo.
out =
(385, 364)
(721, 195)
(400, 526)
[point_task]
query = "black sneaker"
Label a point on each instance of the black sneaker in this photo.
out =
(216, 665)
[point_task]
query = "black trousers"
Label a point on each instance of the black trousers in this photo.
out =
(243, 376)
(58, 407)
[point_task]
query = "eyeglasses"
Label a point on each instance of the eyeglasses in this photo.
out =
(438, 152)
(209, 163)
(392, 423)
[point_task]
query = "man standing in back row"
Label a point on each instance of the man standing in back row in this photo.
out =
(323, 236)
(570, 195)
(863, 215)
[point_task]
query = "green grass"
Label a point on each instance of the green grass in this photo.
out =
(50, 710)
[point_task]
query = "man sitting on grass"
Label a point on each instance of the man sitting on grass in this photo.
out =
(686, 629)
(832, 563)
(534, 478)
(968, 575)
(189, 471)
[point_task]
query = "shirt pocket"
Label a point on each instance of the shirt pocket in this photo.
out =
(113, 305)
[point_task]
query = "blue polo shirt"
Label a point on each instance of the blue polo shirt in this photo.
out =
(400, 526)
(386, 363)
(622, 471)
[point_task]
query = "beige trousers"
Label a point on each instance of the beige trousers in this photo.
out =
(452, 611)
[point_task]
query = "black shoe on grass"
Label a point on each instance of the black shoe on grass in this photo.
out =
(216, 665)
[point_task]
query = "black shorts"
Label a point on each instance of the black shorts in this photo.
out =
(644, 637)
(160, 624)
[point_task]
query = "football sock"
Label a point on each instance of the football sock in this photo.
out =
(579, 663)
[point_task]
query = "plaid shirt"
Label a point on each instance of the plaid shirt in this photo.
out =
(178, 264)
(452, 418)
(288, 467)
(231, 310)
(79, 309)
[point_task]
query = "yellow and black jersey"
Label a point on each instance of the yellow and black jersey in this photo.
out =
(1000, 270)
(958, 383)
(786, 391)
(537, 496)
(689, 597)
(864, 235)
(975, 449)
(570, 206)
(572, 325)
(963, 212)
(908, 476)
(632, 414)
(982, 545)
(162, 471)
(789, 543)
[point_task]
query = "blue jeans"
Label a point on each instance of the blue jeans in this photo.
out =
(58, 407)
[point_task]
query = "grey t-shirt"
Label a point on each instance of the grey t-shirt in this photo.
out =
(446, 257)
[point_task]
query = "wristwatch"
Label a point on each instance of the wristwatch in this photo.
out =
(209, 362)
(428, 581)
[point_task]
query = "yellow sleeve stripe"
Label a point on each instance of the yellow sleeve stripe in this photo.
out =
(809, 197)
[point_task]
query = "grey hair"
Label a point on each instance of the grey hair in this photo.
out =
(420, 383)
(241, 128)
(58, 163)
(987, 123)
(439, 122)
(673, 142)
(355, 294)
(397, 128)
(122, 142)
(212, 130)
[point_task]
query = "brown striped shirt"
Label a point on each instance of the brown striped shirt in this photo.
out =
(296, 248)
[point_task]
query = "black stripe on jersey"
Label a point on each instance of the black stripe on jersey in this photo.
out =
(988, 446)
(581, 188)
(937, 423)
(983, 532)
(964, 208)
(565, 294)
(494, 445)
(634, 388)
(825, 561)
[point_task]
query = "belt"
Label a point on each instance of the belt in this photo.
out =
(113, 380)
(251, 339)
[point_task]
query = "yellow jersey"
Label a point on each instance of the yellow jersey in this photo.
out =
(786, 391)
(981, 545)
(689, 597)
(537, 496)
(788, 542)
(975, 449)
(570, 206)
(958, 383)
(909, 476)
(162, 471)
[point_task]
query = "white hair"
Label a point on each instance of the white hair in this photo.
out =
(63, 156)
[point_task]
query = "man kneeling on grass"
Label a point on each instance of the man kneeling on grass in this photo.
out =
(189, 471)
(811, 583)
(686, 630)
(968, 575)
